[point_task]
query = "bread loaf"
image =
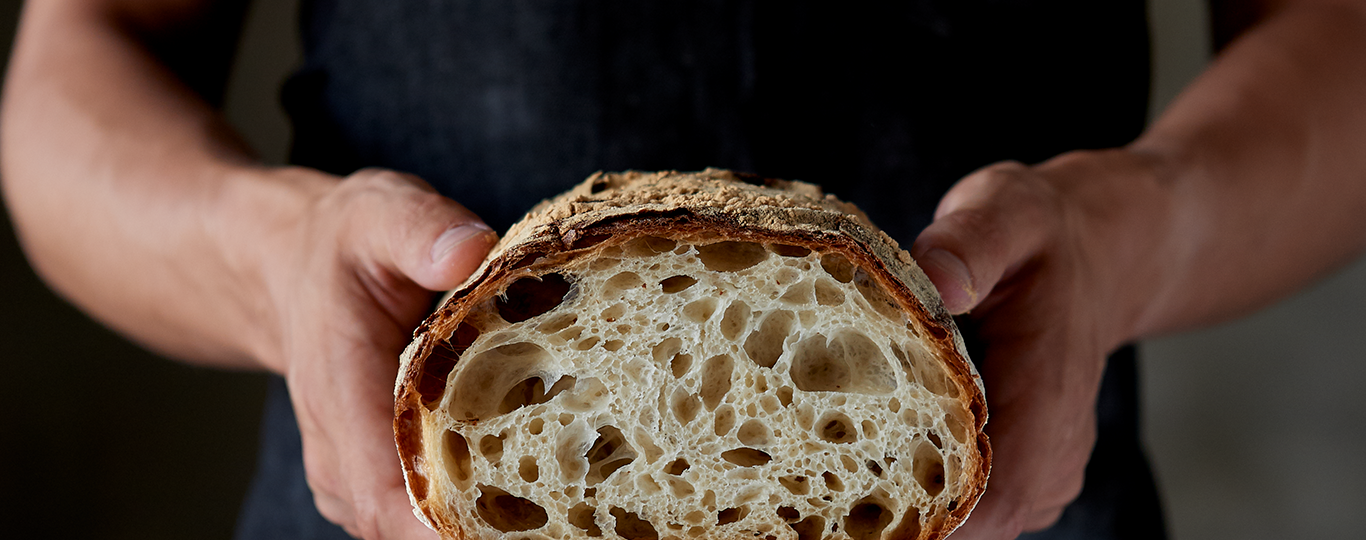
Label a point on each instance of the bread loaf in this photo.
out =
(692, 355)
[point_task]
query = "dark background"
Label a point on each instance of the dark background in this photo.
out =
(1257, 427)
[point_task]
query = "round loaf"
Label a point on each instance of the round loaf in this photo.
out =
(692, 355)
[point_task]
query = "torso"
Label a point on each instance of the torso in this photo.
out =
(500, 104)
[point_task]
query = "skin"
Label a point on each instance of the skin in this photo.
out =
(135, 202)
(1250, 186)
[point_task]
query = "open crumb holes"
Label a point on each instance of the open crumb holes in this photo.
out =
(507, 512)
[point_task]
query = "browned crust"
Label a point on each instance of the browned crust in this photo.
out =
(711, 205)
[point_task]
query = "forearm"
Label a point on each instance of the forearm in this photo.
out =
(131, 196)
(1261, 163)
(1252, 184)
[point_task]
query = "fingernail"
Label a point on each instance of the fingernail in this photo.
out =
(453, 237)
(959, 294)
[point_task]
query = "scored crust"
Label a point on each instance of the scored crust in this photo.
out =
(516, 414)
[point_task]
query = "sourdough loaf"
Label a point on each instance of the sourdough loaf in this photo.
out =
(692, 355)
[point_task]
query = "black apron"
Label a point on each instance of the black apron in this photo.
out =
(499, 104)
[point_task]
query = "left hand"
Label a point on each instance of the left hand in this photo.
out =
(1054, 261)
(350, 280)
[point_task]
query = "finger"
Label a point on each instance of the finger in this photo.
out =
(1042, 382)
(403, 523)
(368, 462)
(344, 405)
(989, 223)
(335, 510)
(321, 467)
(983, 526)
(1026, 493)
(1020, 502)
(432, 240)
(379, 495)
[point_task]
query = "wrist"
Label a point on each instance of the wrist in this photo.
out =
(262, 214)
(1120, 207)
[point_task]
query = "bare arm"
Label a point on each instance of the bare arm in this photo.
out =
(1263, 161)
(1250, 186)
(134, 200)
(115, 172)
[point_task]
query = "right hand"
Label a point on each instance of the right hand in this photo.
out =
(356, 273)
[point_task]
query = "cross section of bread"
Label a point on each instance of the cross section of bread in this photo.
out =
(692, 355)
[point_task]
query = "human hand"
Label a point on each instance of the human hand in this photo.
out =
(355, 276)
(1055, 263)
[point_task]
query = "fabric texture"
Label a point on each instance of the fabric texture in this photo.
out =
(501, 103)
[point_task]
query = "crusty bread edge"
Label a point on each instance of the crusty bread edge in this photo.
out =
(581, 221)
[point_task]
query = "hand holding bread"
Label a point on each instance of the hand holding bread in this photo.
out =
(357, 271)
(1054, 265)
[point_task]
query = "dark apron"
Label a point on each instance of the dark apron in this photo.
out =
(500, 103)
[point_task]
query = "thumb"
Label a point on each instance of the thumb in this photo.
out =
(988, 225)
(430, 239)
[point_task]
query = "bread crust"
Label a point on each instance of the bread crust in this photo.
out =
(710, 205)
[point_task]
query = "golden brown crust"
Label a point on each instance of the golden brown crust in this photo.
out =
(710, 205)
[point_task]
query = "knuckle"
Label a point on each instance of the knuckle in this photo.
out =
(319, 473)
(427, 203)
(389, 179)
(1042, 519)
(1051, 507)
(1005, 185)
(370, 189)
(421, 213)
(368, 195)
(976, 221)
(374, 174)
(999, 174)
(1077, 157)
(321, 486)
(317, 481)
(427, 213)
(1015, 513)
(332, 510)
(977, 226)
(369, 185)
(367, 522)
(1071, 486)
(1008, 167)
(1015, 522)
